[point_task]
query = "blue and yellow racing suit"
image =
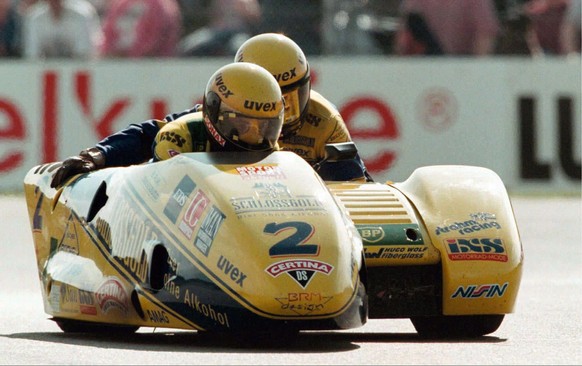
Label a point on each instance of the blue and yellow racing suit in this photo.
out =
(322, 124)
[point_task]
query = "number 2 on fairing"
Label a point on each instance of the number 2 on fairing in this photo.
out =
(294, 244)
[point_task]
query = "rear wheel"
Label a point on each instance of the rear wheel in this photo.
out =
(79, 326)
(457, 326)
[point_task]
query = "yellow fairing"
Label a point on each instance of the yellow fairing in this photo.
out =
(197, 242)
(257, 241)
(254, 251)
(77, 281)
(392, 233)
(468, 216)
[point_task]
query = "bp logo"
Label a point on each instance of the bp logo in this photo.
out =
(371, 234)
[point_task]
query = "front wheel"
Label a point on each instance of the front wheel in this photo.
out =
(457, 326)
(79, 326)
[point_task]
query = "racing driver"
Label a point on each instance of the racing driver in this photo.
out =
(311, 121)
(229, 120)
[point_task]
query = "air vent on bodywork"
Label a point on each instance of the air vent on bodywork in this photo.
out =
(99, 200)
(370, 203)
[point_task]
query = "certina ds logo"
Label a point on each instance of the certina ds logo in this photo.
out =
(300, 270)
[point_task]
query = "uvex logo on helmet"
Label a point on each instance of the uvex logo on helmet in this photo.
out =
(259, 106)
(287, 75)
(222, 89)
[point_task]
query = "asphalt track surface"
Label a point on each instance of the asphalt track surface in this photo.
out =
(546, 327)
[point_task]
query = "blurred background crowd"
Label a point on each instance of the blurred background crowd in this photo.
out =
(93, 29)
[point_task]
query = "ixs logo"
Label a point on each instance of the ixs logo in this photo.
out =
(173, 137)
(475, 291)
(480, 249)
(300, 270)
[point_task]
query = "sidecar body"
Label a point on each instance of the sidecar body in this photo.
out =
(259, 242)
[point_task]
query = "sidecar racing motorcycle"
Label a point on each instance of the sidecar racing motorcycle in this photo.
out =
(221, 242)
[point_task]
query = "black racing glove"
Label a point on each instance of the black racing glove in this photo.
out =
(88, 160)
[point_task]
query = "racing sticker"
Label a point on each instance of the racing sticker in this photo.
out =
(87, 303)
(208, 230)
(151, 182)
(70, 240)
(192, 300)
(394, 241)
(179, 198)
(394, 252)
(394, 234)
(129, 252)
(37, 221)
(194, 210)
(300, 270)
(478, 221)
(304, 303)
(476, 249)
(271, 198)
(193, 213)
(54, 298)
(111, 295)
(73, 300)
(476, 291)
(260, 172)
(69, 299)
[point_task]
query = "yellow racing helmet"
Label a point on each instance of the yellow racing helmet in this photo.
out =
(285, 60)
(243, 107)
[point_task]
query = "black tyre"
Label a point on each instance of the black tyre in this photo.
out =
(78, 326)
(458, 326)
